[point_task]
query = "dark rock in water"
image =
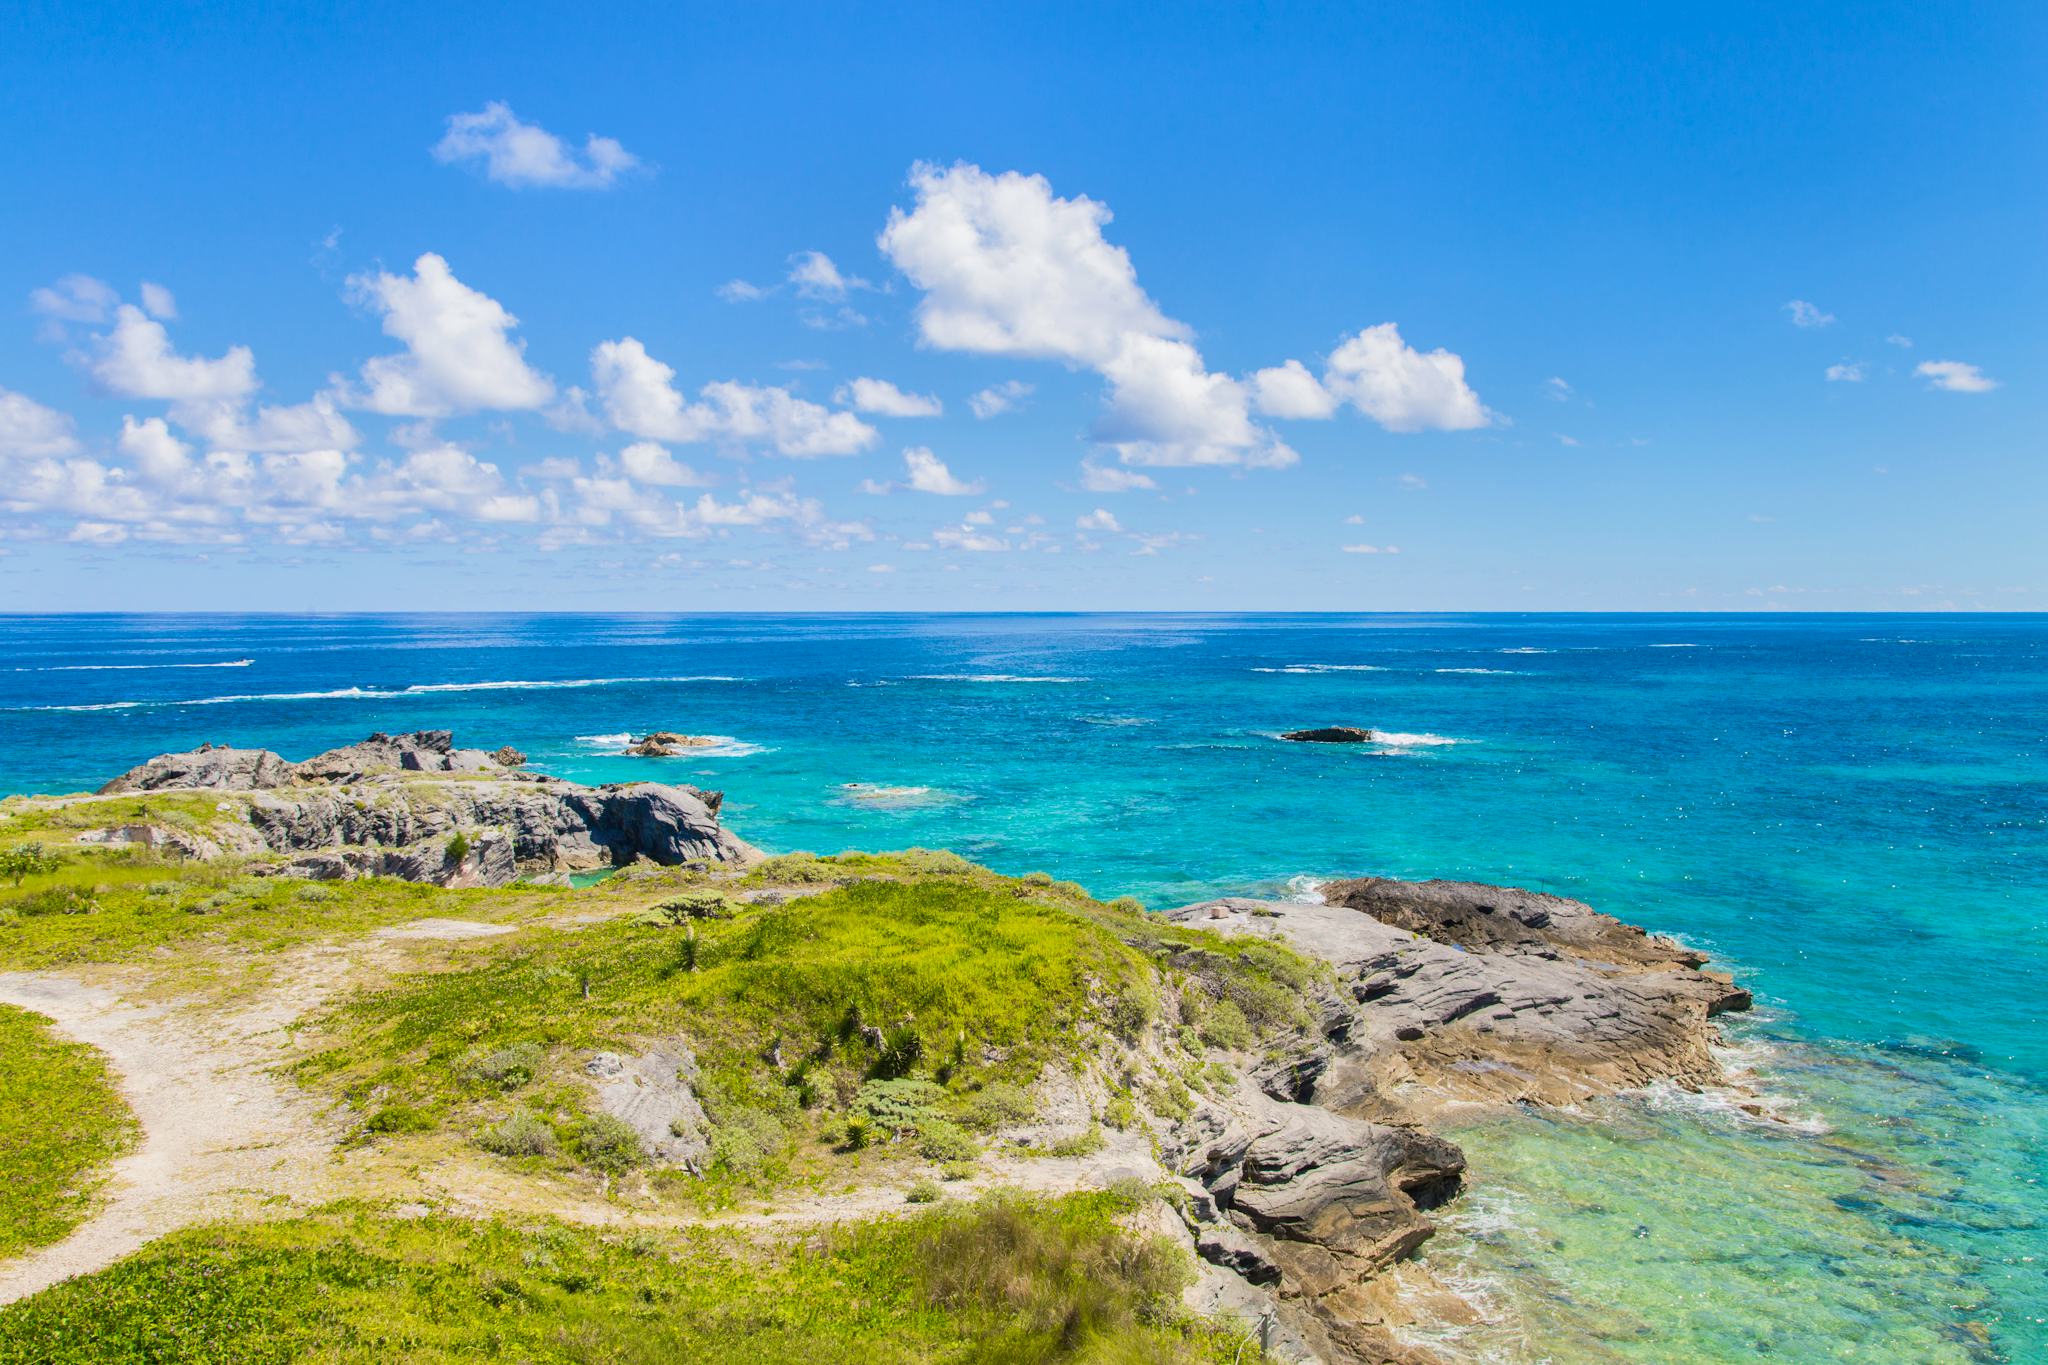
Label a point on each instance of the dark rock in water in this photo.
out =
(667, 744)
(212, 766)
(1331, 734)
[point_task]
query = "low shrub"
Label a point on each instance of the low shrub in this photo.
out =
(744, 1141)
(923, 1191)
(997, 1105)
(939, 1140)
(609, 1144)
(523, 1134)
(508, 1068)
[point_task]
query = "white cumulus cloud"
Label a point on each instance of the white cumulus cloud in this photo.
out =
(459, 353)
(638, 395)
(928, 474)
(1289, 390)
(525, 155)
(1401, 388)
(135, 360)
(30, 430)
(881, 397)
(1955, 376)
(1101, 519)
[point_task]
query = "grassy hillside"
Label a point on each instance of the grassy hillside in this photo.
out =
(61, 1121)
(1003, 1280)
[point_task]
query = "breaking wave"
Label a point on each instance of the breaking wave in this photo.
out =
(376, 693)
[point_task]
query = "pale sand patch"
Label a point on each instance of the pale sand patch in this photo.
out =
(443, 928)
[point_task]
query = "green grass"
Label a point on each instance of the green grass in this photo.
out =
(960, 982)
(129, 905)
(964, 982)
(61, 1120)
(1006, 1280)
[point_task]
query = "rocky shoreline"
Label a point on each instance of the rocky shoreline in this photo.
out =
(1302, 1182)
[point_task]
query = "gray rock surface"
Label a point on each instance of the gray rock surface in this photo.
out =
(655, 1095)
(376, 808)
(211, 766)
(1573, 1006)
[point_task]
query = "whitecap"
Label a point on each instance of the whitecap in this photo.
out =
(990, 678)
(1681, 646)
(129, 668)
(1496, 672)
(1115, 721)
(1527, 649)
(606, 740)
(1306, 889)
(381, 694)
(1324, 668)
(1397, 740)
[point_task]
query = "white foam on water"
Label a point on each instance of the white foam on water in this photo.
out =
(1527, 649)
(383, 694)
(1115, 721)
(884, 797)
(990, 678)
(1324, 668)
(1678, 646)
(1497, 672)
(1394, 739)
(128, 668)
(1306, 889)
(605, 739)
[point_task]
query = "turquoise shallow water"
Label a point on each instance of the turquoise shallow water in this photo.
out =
(1851, 811)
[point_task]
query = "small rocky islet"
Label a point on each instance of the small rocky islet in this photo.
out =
(1297, 1171)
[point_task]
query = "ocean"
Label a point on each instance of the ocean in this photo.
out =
(1850, 812)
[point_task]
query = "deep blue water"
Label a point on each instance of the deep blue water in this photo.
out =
(1851, 810)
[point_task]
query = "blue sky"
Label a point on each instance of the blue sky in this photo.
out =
(1318, 307)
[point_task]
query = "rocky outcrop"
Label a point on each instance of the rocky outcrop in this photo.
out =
(1311, 1205)
(1331, 734)
(667, 744)
(1554, 1019)
(423, 751)
(212, 766)
(1319, 1174)
(396, 806)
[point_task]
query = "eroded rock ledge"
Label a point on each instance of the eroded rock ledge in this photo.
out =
(1320, 1172)
(417, 807)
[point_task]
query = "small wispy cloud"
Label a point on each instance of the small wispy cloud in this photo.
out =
(1804, 314)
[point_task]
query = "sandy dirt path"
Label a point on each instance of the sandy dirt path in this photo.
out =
(220, 1136)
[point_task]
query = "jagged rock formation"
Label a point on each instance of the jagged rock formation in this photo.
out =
(214, 766)
(417, 807)
(1331, 734)
(1319, 1174)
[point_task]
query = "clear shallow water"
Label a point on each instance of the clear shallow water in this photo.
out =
(1851, 811)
